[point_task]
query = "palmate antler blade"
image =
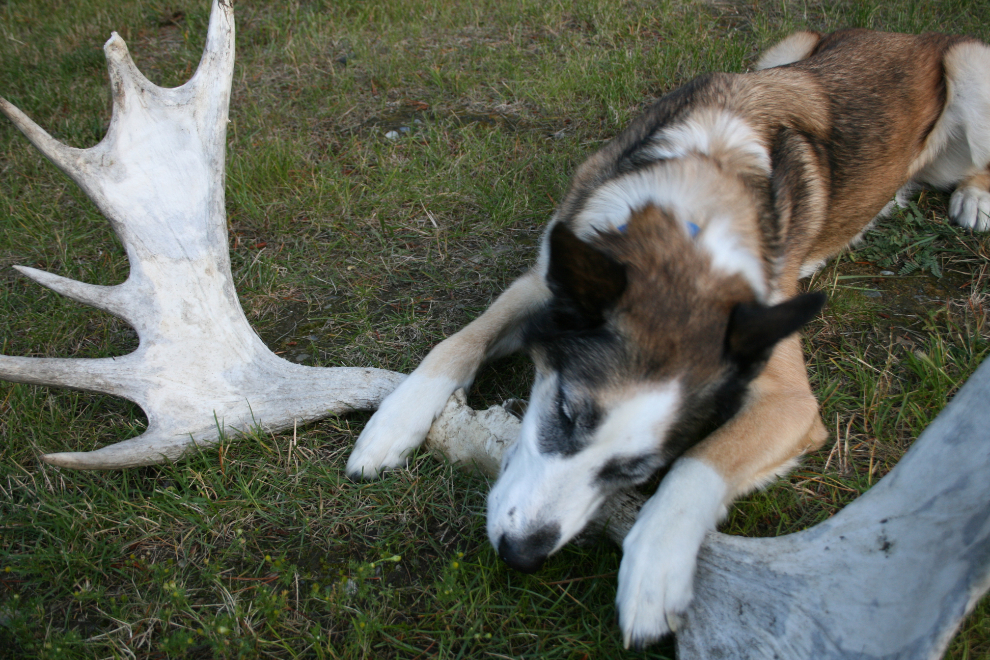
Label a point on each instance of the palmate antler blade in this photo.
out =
(158, 176)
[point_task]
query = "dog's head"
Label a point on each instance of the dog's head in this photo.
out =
(644, 349)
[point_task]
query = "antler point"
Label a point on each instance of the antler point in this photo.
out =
(115, 41)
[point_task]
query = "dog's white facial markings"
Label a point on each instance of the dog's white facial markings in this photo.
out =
(714, 133)
(550, 496)
(659, 555)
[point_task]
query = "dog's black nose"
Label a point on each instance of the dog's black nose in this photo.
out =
(528, 553)
(513, 554)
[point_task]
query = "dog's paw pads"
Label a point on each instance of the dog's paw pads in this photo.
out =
(969, 207)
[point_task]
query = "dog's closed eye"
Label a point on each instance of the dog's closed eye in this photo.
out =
(574, 412)
(565, 410)
(629, 469)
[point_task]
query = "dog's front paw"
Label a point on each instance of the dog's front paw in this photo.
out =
(660, 553)
(655, 587)
(970, 207)
(399, 426)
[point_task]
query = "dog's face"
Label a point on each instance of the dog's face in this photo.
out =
(643, 351)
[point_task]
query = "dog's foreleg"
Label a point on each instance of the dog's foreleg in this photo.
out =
(778, 423)
(405, 416)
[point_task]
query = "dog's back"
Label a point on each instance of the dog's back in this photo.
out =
(884, 94)
(846, 124)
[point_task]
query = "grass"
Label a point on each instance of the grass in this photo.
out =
(350, 248)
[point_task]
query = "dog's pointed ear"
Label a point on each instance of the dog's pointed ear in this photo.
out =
(755, 329)
(587, 278)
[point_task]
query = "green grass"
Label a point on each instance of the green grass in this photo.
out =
(352, 249)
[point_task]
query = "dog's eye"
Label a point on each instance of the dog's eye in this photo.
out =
(566, 411)
(582, 414)
(633, 469)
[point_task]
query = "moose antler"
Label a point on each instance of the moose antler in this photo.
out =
(158, 176)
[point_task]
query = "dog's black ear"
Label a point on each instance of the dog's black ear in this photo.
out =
(755, 329)
(584, 277)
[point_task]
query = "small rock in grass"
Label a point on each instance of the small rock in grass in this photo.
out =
(888, 273)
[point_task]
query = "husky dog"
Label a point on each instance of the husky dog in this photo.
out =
(662, 311)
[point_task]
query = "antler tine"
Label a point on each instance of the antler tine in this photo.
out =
(129, 453)
(70, 160)
(105, 375)
(296, 394)
(125, 77)
(211, 80)
(112, 299)
(216, 67)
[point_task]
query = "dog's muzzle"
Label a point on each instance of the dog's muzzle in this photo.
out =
(528, 553)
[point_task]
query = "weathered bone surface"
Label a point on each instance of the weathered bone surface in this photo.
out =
(890, 576)
(158, 176)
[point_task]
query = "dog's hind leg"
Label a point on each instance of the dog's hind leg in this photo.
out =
(405, 416)
(778, 424)
(957, 152)
(794, 47)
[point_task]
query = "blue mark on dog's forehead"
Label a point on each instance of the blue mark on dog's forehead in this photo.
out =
(692, 228)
